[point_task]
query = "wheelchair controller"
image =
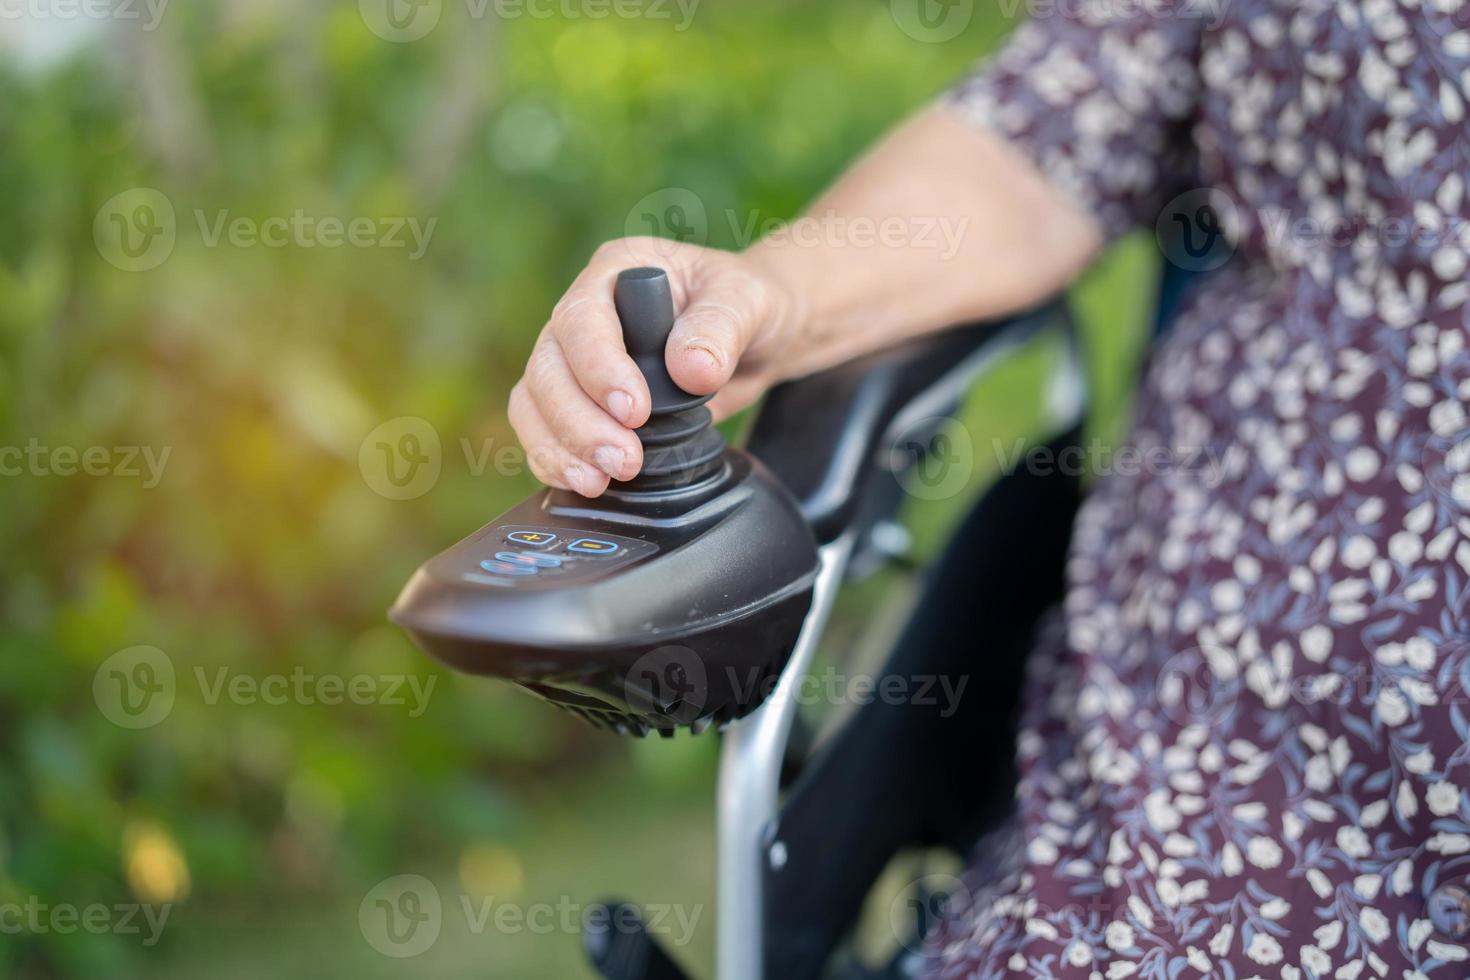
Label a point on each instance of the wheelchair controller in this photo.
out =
(675, 599)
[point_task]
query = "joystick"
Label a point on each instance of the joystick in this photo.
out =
(674, 599)
(680, 446)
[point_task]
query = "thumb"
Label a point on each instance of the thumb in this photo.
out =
(709, 337)
(738, 394)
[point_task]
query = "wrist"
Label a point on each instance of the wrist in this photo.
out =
(785, 345)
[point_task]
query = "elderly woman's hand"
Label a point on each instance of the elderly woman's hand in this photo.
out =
(797, 303)
(582, 396)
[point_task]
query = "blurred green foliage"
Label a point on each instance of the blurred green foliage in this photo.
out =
(261, 370)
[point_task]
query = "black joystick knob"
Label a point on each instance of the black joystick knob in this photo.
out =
(680, 446)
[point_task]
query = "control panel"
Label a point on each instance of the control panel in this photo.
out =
(567, 595)
(515, 554)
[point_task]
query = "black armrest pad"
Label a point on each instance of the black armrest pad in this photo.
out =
(821, 434)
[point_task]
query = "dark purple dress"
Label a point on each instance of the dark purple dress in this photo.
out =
(1246, 746)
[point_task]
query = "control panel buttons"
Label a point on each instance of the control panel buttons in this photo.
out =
(530, 558)
(593, 546)
(498, 567)
(539, 557)
(536, 539)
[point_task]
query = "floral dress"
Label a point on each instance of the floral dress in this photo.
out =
(1245, 747)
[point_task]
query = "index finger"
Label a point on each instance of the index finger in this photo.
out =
(586, 328)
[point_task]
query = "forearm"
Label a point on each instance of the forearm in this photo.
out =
(939, 224)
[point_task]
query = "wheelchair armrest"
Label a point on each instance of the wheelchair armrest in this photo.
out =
(821, 435)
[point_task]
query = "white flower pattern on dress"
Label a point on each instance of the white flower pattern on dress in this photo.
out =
(1293, 823)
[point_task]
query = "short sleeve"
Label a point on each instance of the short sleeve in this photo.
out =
(1099, 96)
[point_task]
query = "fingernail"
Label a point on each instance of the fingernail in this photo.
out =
(704, 351)
(620, 403)
(582, 479)
(609, 459)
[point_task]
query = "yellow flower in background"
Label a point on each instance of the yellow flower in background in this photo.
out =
(156, 869)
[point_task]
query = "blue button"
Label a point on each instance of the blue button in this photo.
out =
(507, 568)
(529, 558)
(593, 546)
(1449, 910)
(536, 539)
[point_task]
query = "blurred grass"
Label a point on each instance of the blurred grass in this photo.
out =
(261, 371)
